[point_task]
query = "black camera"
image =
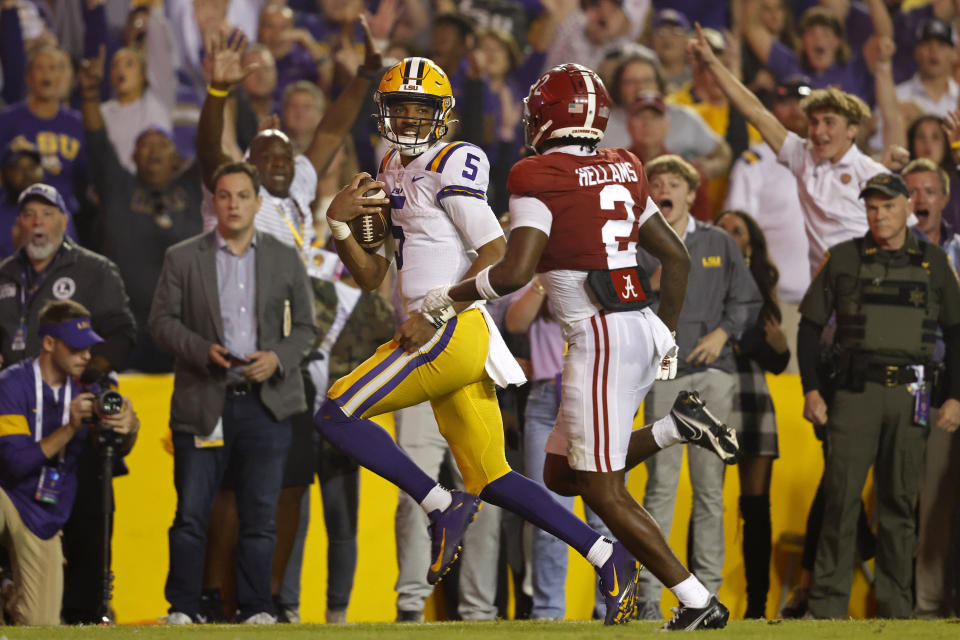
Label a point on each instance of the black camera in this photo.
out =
(107, 402)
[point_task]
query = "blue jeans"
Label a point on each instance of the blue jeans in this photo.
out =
(549, 561)
(256, 445)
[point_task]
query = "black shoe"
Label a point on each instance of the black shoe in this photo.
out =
(211, 607)
(409, 616)
(796, 606)
(700, 427)
(712, 616)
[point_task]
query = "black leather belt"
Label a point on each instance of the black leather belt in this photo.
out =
(890, 375)
(242, 389)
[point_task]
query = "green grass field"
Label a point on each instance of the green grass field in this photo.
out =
(790, 630)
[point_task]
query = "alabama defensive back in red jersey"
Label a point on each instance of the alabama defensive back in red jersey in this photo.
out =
(578, 216)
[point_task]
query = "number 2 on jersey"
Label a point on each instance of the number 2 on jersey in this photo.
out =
(621, 251)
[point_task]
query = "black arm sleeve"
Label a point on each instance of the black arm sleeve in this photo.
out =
(951, 337)
(808, 354)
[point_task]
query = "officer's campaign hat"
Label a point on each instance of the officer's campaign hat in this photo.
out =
(886, 183)
(43, 192)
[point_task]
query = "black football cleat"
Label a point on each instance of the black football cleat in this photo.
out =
(700, 427)
(712, 616)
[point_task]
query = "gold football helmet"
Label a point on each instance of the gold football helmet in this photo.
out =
(413, 80)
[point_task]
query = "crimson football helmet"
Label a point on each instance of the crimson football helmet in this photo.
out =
(568, 101)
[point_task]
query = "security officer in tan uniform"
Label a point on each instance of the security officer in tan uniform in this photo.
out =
(889, 292)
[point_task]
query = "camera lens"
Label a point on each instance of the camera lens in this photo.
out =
(108, 403)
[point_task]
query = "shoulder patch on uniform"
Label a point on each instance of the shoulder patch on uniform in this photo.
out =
(386, 159)
(750, 156)
(440, 160)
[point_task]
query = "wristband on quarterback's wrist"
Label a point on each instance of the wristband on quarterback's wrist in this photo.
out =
(339, 230)
(484, 288)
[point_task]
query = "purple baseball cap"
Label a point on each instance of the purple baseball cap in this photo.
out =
(78, 333)
(43, 192)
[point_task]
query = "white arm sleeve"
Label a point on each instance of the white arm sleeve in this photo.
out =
(474, 219)
(527, 211)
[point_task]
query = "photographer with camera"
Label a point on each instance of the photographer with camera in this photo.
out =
(45, 419)
(50, 266)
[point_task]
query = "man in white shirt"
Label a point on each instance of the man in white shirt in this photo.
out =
(289, 181)
(828, 166)
(765, 189)
(932, 87)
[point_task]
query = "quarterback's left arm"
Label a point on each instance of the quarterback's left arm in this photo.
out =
(512, 272)
(531, 225)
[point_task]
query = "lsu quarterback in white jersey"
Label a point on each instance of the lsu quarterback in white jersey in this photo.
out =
(443, 230)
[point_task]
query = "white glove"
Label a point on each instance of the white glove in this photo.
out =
(668, 364)
(436, 299)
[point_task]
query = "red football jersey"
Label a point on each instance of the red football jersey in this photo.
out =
(596, 202)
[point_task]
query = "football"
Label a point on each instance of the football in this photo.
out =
(370, 229)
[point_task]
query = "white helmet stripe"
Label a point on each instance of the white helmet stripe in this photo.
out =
(591, 100)
(421, 63)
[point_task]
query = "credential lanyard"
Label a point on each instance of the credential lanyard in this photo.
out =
(297, 237)
(25, 298)
(38, 386)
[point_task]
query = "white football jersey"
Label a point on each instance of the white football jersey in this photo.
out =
(439, 216)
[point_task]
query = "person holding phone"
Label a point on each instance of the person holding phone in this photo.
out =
(234, 308)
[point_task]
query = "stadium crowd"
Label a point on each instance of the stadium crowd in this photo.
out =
(768, 131)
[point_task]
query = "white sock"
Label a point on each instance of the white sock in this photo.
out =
(665, 432)
(600, 552)
(438, 498)
(691, 593)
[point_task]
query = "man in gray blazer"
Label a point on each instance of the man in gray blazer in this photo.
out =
(234, 308)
